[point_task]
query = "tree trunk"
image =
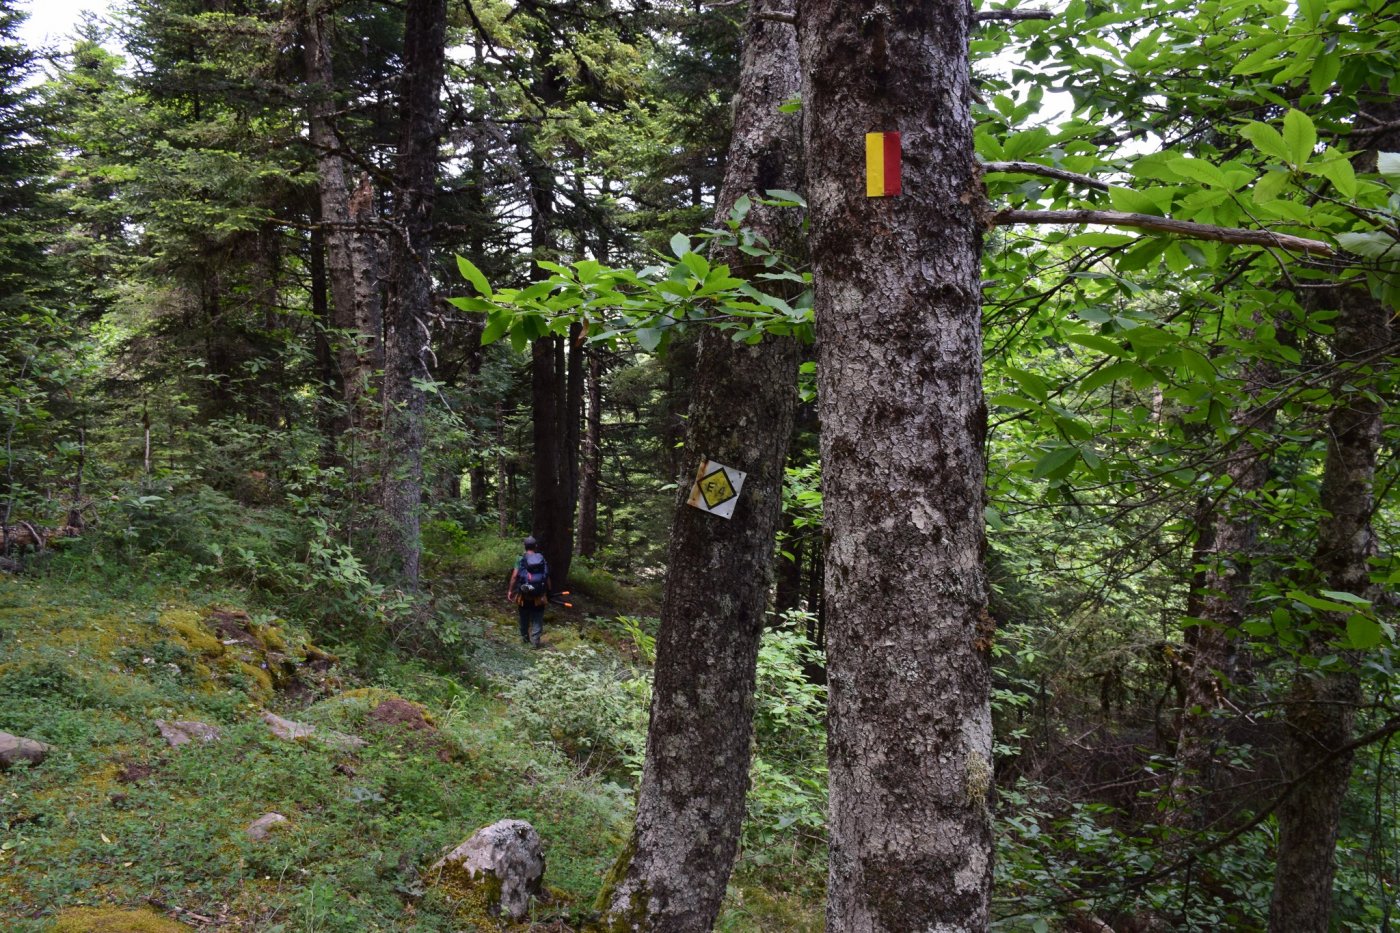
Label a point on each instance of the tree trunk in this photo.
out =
(407, 346)
(691, 803)
(573, 420)
(1227, 538)
(550, 518)
(1322, 705)
(351, 250)
(502, 476)
(903, 471)
(329, 396)
(591, 463)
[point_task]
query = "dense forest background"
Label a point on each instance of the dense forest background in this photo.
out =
(314, 309)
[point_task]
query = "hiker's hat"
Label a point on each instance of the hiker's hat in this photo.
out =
(531, 543)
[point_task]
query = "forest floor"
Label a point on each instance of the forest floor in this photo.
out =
(119, 829)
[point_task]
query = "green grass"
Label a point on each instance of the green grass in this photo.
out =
(116, 817)
(92, 653)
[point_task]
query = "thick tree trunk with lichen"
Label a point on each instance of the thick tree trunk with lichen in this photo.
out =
(691, 802)
(591, 459)
(1227, 532)
(352, 251)
(1322, 704)
(903, 423)
(408, 334)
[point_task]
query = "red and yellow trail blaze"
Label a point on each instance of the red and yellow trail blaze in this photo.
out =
(882, 165)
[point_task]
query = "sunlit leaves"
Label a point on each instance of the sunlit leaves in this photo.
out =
(649, 304)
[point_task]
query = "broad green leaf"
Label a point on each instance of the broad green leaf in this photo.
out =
(1312, 10)
(496, 326)
(1026, 143)
(1299, 135)
(1099, 238)
(1364, 632)
(779, 194)
(1345, 597)
(1199, 170)
(1325, 69)
(471, 304)
(1388, 164)
(696, 264)
(1007, 400)
(1266, 139)
(1372, 244)
(1123, 369)
(1340, 173)
(1057, 460)
(1266, 57)
(1033, 384)
(1271, 185)
(473, 275)
(649, 337)
(1132, 201)
(1317, 602)
(740, 210)
(680, 245)
(1099, 343)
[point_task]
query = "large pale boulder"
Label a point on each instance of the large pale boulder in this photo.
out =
(292, 731)
(179, 732)
(259, 829)
(14, 749)
(497, 869)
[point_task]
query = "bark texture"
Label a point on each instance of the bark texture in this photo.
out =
(551, 513)
(1227, 534)
(591, 458)
(903, 471)
(1322, 706)
(408, 334)
(691, 803)
(351, 248)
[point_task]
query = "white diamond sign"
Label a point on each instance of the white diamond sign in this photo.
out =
(716, 488)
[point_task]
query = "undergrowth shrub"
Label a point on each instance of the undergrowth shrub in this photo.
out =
(591, 707)
(785, 824)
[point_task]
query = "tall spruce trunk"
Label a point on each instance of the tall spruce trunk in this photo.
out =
(552, 498)
(903, 471)
(1228, 532)
(1322, 706)
(591, 458)
(691, 803)
(351, 245)
(551, 519)
(408, 335)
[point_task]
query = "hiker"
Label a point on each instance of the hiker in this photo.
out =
(529, 589)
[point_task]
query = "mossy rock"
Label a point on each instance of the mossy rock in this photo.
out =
(115, 920)
(185, 627)
(475, 898)
(233, 648)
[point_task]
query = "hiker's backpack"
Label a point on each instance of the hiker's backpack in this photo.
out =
(530, 582)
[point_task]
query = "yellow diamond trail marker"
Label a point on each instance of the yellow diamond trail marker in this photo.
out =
(716, 488)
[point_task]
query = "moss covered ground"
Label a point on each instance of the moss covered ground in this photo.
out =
(119, 827)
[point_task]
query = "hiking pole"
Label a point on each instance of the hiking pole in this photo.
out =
(558, 599)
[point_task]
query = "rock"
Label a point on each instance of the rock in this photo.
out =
(183, 731)
(340, 741)
(292, 731)
(287, 730)
(14, 749)
(501, 865)
(259, 828)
